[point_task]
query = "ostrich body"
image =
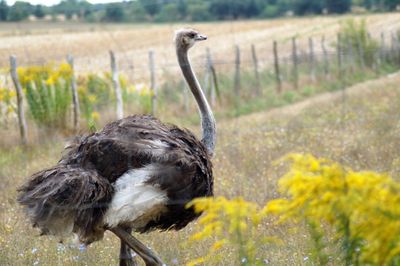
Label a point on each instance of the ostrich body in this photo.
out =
(136, 174)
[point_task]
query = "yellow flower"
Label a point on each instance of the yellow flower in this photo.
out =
(218, 245)
(276, 206)
(95, 116)
(367, 203)
(92, 98)
(228, 222)
(196, 262)
(123, 81)
(10, 110)
(65, 71)
(21, 72)
(50, 81)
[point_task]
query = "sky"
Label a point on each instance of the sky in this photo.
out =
(52, 2)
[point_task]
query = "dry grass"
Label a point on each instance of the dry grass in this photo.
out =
(360, 130)
(43, 42)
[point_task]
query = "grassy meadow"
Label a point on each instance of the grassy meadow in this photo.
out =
(357, 126)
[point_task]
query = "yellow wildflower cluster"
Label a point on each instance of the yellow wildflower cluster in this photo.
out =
(363, 207)
(48, 93)
(139, 89)
(143, 90)
(7, 100)
(48, 73)
(95, 116)
(230, 223)
(6, 95)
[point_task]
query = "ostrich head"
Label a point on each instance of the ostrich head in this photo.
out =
(186, 38)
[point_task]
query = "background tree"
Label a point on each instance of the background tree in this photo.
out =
(115, 12)
(188, 10)
(67, 8)
(338, 6)
(20, 11)
(39, 11)
(303, 7)
(135, 12)
(169, 12)
(152, 7)
(199, 12)
(182, 7)
(391, 5)
(3, 10)
(226, 9)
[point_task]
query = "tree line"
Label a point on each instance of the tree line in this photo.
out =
(187, 10)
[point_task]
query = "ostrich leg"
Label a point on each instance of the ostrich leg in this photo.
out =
(125, 254)
(149, 258)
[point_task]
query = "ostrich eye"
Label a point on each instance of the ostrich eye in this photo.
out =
(192, 35)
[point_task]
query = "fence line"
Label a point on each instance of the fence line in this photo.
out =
(20, 103)
(75, 97)
(117, 86)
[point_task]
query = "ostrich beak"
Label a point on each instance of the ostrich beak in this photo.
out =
(200, 37)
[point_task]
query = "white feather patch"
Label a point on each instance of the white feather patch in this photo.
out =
(134, 201)
(158, 144)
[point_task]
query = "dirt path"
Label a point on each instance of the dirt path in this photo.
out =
(315, 101)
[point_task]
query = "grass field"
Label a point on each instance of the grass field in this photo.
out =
(89, 43)
(359, 128)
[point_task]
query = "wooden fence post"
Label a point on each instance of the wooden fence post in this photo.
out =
(277, 69)
(295, 64)
(339, 56)
(311, 58)
(350, 56)
(325, 56)
(361, 53)
(153, 88)
(209, 88)
(237, 71)
(396, 49)
(132, 70)
(75, 97)
(215, 93)
(375, 55)
(393, 50)
(117, 86)
(256, 72)
(382, 49)
(20, 103)
(212, 75)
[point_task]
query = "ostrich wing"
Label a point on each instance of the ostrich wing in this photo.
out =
(66, 199)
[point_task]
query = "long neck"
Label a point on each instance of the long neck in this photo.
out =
(207, 117)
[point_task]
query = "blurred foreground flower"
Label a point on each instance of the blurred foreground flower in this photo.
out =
(230, 223)
(361, 210)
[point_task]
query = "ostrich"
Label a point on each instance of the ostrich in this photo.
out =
(136, 174)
